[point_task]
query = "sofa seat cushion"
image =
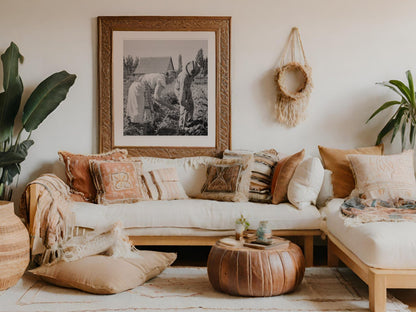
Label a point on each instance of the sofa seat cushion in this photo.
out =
(195, 213)
(384, 245)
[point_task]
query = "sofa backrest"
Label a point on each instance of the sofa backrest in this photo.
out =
(191, 170)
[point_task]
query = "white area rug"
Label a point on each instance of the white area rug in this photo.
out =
(188, 289)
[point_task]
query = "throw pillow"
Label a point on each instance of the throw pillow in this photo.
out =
(261, 173)
(118, 181)
(306, 183)
(327, 192)
(336, 161)
(283, 172)
(106, 275)
(384, 177)
(77, 169)
(164, 184)
(228, 179)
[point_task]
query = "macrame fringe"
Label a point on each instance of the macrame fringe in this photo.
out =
(291, 107)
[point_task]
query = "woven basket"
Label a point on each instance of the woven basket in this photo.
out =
(14, 246)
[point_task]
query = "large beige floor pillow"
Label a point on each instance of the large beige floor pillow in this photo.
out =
(106, 275)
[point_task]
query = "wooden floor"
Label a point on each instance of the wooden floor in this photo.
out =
(198, 255)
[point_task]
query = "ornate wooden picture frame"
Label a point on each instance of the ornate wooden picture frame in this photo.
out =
(164, 85)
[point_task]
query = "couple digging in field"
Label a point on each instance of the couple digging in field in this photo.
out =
(147, 89)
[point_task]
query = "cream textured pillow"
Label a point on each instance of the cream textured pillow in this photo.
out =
(106, 275)
(228, 179)
(336, 161)
(306, 183)
(168, 184)
(384, 177)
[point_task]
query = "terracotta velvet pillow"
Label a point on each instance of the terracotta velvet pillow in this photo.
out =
(77, 169)
(283, 172)
(336, 161)
(118, 181)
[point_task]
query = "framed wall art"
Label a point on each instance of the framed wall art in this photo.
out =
(164, 85)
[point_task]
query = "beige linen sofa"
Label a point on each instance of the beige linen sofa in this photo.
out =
(191, 222)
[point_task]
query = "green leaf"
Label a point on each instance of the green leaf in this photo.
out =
(398, 121)
(16, 154)
(9, 172)
(411, 87)
(10, 60)
(412, 135)
(403, 133)
(45, 98)
(383, 107)
(387, 128)
(403, 89)
(388, 85)
(13, 89)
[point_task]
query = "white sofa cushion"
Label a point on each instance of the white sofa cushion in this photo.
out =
(385, 245)
(191, 170)
(195, 213)
(306, 183)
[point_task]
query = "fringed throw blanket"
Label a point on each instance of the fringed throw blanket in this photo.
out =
(359, 210)
(51, 227)
(50, 221)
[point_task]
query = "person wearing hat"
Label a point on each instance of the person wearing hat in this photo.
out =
(142, 93)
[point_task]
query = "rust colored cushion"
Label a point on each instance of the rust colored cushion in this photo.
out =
(336, 160)
(118, 181)
(77, 169)
(283, 172)
(106, 275)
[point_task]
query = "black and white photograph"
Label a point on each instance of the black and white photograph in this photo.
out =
(165, 87)
(163, 84)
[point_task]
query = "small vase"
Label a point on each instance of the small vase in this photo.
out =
(239, 230)
(14, 246)
(263, 231)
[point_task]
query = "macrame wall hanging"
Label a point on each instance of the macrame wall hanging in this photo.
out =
(293, 81)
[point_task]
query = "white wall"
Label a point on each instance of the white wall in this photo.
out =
(350, 45)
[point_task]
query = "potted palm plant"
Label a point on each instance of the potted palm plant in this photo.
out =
(404, 117)
(15, 137)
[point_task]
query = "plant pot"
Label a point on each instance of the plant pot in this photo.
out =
(239, 230)
(14, 246)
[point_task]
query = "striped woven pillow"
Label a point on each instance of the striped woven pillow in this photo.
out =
(164, 184)
(261, 172)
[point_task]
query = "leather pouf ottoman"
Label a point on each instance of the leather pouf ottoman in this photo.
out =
(246, 271)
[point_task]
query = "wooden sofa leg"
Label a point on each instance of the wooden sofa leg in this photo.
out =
(333, 260)
(308, 250)
(377, 292)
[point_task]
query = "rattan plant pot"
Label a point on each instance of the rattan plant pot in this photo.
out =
(14, 246)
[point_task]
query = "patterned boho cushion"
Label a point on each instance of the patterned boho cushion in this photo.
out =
(384, 177)
(283, 172)
(261, 173)
(228, 179)
(118, 181)
(336, 161)
(77, 169)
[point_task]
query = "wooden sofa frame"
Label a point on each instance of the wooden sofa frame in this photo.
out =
(378, 280)
(306, 236)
